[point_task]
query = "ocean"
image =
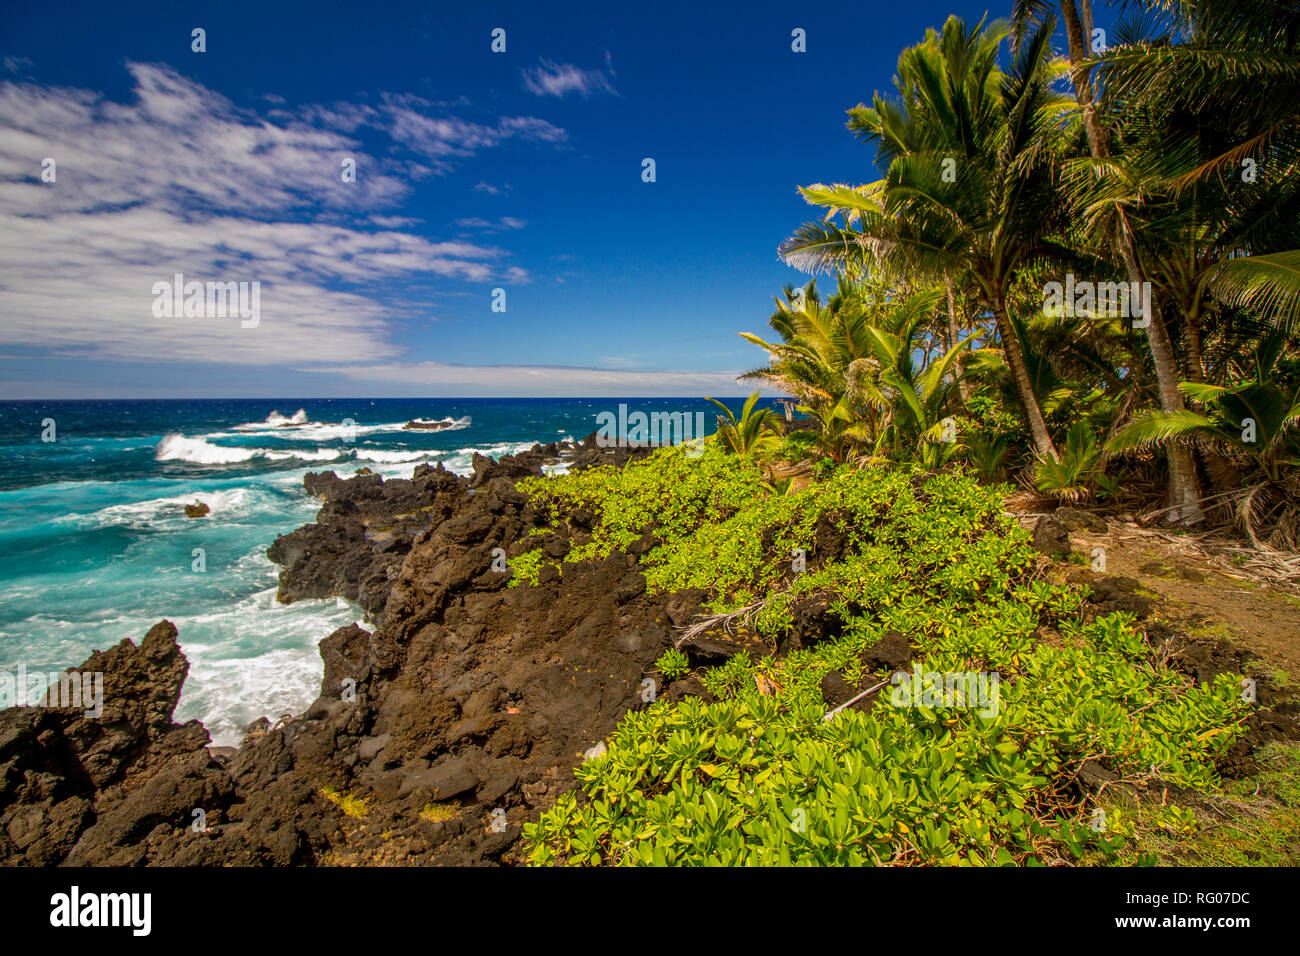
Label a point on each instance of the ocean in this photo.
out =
(95, 544)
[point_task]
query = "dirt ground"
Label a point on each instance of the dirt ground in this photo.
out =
(1208, 584)
(1201, 600)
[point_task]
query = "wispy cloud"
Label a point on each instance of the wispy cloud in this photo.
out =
(179, 179)
(393, 222)
(487, 225)
(560, 79)
(419, 124)
(179, 146)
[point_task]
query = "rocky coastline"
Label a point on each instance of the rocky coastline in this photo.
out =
(455, 698)
(451, 715)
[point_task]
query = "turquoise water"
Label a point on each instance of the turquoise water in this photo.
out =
(95, 545)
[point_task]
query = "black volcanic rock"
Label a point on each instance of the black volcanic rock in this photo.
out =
(361, 535)
(367, 525)
(1051, 537)
(464, 688)
(590, 454)
(78, 787)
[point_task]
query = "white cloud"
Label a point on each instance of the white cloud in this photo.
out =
(394, 222)
(181, 146)
(181, 180)
(561, 79)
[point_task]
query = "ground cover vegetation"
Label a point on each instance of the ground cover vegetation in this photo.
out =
(1014, 160)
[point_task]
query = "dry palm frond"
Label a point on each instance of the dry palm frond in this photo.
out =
(1273, 562)
(709, 622)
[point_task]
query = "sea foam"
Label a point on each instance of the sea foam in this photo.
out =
(179, 448)
(200, 451)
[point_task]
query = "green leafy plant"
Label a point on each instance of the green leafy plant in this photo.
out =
(352, 804)
(797, 445)
(673, 664)
(1069, 477)
(1255, 417)
(986, 453)
(1253, 420)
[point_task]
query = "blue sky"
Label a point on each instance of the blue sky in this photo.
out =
(475, 171)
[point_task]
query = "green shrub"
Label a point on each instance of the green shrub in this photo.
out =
(797, 446)
(673, 664)
(759, 778)
(526, 567)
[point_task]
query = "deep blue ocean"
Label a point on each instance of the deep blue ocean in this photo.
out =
(95, 545)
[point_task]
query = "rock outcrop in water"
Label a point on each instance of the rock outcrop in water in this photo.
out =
(362, 534)
(91, 790)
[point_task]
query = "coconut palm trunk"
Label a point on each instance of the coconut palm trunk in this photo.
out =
(954, 336)
(1183, 499)
(1192, 346)
(1223, 475)
(1020, 377)
(1184, 495)
(1078, 43)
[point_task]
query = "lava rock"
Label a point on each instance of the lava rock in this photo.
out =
(1051, 537)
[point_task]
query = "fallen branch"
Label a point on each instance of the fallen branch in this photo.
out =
(853, 700)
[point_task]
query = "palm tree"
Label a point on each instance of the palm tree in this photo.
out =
(753, 431)
(1183, 113)
(1216, 91)
(1078, 33)
(1068, 477)
(969, 187)
(1184, 489)
(816, 345)
(841, 432)
(1230, 61)
(1255, 418)
(917, 397)
(865, 365)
